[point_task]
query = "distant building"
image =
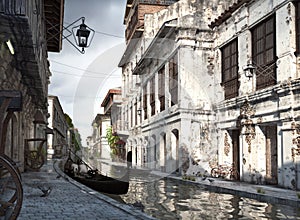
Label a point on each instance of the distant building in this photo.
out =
(165, 105)
(57, 140)
(111, 105)
(97, 142)
(26, 35)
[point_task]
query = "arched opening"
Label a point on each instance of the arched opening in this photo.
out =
(175, 150)
(155, 151)
(11, 145)
(163, 152)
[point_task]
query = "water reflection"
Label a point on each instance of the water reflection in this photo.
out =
(171, 199)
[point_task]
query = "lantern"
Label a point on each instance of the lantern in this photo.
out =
(83, 35)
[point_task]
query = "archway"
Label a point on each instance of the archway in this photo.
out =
(163, 152)
(11, 145)
(175, 150)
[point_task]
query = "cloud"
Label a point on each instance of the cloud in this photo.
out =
(81, 92)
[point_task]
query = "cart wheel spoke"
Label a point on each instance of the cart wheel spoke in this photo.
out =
(11, 192)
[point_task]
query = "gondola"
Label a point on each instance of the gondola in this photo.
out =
(96, 181)
(105, 184)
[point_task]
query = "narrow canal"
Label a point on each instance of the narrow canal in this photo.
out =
(166, 198)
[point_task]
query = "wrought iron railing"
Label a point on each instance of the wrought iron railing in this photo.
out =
(231, 88)
(265, 75)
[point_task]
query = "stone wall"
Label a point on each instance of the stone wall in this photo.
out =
(23, 127)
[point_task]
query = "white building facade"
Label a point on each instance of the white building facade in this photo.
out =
(166, 99)
(258, 120)
(214, 83)
(57, 140)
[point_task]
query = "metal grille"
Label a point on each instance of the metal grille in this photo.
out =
(265, 75)
(231, 88)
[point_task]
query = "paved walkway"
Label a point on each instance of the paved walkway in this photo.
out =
(68, 199)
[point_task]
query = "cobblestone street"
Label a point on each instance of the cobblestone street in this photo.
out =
(68, 199)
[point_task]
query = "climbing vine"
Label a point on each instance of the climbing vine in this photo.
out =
(112, 139)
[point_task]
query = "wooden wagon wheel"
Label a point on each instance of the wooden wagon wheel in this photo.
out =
(12, 162)
(35, 160)
(11, 190)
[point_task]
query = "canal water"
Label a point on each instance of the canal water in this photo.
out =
(172, 199)
(166, 198)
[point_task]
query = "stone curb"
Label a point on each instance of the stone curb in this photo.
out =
(263, 197)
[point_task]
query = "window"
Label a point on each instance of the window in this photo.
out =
(135, 114)
(263, 53)
(230, 69)
(173, 79)
(131, 117)
(145, 101)
(152, 95)
(161, 88)
(297, 5)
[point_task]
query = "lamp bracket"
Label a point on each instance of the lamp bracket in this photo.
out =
(66, 33)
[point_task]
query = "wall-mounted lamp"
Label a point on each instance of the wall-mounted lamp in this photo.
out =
(81, 34)
(249, 70)
(10, 47)
(139, 111)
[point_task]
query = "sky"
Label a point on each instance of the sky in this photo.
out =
(81, 81)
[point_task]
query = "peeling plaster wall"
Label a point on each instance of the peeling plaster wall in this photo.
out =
(277, 105)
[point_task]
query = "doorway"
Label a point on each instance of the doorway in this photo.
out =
(235, 137)
(270, 133)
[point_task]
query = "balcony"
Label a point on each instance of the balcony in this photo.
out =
(20, 23)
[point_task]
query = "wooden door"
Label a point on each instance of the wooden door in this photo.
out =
(271, 155)
(235, 135)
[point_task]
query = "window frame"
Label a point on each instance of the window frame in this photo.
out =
(145, 102)
(263, 40)
(230, 67)
(161, 87)
(152, 95)
(173, 79)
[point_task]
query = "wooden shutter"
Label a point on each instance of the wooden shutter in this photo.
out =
(263, 51)
(230, 69)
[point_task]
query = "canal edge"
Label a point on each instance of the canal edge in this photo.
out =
(131, 210)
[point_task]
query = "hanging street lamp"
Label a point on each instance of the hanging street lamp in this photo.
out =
(82, 35)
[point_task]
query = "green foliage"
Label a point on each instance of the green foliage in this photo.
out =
(69, 121)
(260, 190)
(75, 136)
(298, 194)
(191, 178)
(76, 140)
(112, 139)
